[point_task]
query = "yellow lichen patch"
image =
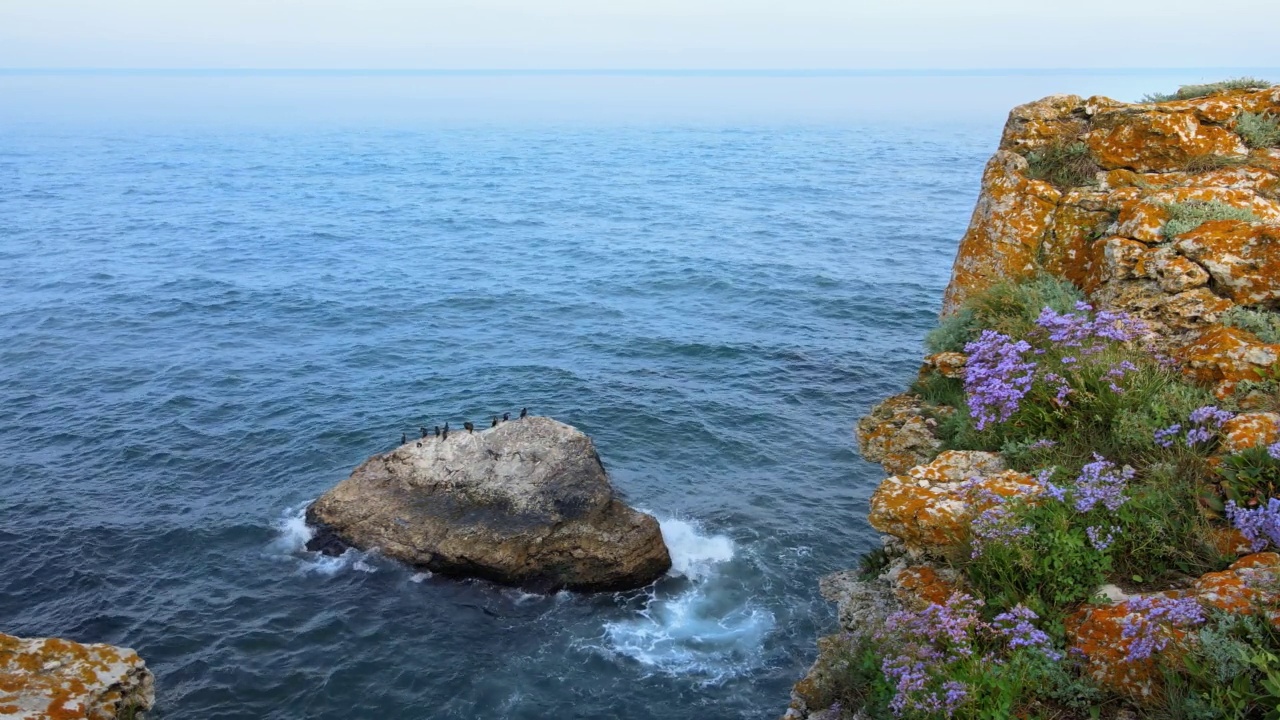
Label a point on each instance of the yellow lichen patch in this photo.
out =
(919, 586)
(1230, 541)
(1008, 224)
(1250, 429)
(1223, 356)
(1065, 250)
(1114, 258)
(54, 679)
(898, 434)
(929, 509)
(1043, 122)
(1144, 219)
(1222, 107)
(1249, 584)
(1157, 141)
(948, 364)
(1242, 257)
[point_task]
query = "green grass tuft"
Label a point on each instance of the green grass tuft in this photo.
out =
(1188, 92)
(1263, 323)
(1185, 217)
(1258, 130)
(1063, 164)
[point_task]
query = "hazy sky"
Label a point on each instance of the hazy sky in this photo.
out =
(638, 33)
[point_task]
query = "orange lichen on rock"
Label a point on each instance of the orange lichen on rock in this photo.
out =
(948, 364)
(1096, 632)
(1009, 222)
(1157, 141)
(1243, 258)
(54, 679)
(919, 586)
(1223, 356)
(929, 508)
(1251, 583)
(1250, 429)
(898, 434)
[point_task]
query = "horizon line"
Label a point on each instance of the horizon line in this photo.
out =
(622, 72)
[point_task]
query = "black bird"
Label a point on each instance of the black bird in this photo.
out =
(506, 417)
(524, 413)
(437, 431)
(468, 426)
(445, 436)
(495, 421)
(424, 431)
(403, 438)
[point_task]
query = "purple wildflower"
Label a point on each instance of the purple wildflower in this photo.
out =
(1149, 620)
(1043, 478)
(1099, 541)
(997, 522)
(1261, 525)
(1210, 416)
(1101, 482)
(997, 376)
(1016, 626)
(1046, 443)
(1164, 438)
(1274, 451)
(1068, 360)
(1073, 329)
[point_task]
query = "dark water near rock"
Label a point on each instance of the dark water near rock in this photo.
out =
(204, 326)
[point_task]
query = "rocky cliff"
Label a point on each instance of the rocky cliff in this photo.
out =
(54, 679)
(1161, 220)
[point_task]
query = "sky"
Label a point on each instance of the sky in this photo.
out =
(539, 34)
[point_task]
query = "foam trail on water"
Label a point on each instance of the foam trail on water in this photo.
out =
(712, 627)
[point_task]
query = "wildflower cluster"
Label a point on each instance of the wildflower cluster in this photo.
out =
(1100, 483)
(1261, 525)
(998, 521)
(1060, 354)
(1274, 451)
(996, 377)
(1204, 425)
(1152, 620)
(931, 652)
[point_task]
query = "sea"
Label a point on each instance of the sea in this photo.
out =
(220, 291)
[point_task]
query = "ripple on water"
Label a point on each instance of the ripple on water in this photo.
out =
(181, 374)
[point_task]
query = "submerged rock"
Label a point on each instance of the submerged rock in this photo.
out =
(50, 679)
(525, 503)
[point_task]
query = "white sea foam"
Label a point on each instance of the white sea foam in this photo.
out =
(291, 541)
(693, 554)
(711, 628)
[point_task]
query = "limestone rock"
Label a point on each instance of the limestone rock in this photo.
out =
(1009, 223)
(927, 507)
(1250, 429)
(55, 679)
(1223, 356)
(1095, 631)
(1157, 141)
(525, 503)
(898, 434)
(1242, 257)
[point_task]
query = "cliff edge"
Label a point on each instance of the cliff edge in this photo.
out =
(1081, 511)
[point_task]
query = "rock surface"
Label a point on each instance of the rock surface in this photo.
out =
(54, 679)
(525, 503)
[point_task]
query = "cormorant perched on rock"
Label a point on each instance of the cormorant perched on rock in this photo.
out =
(524, 413)
(506, 417)
(424, 431)
(403, 438)
(495, 421)
(469, 426)
(445, 436)
(437, 431)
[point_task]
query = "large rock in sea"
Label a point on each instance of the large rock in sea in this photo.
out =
(52, 679)
(525, 503)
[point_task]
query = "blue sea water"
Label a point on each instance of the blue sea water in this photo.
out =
(208, 318)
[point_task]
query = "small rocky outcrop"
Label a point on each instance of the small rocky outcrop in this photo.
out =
(53, 679)
(525, 503)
